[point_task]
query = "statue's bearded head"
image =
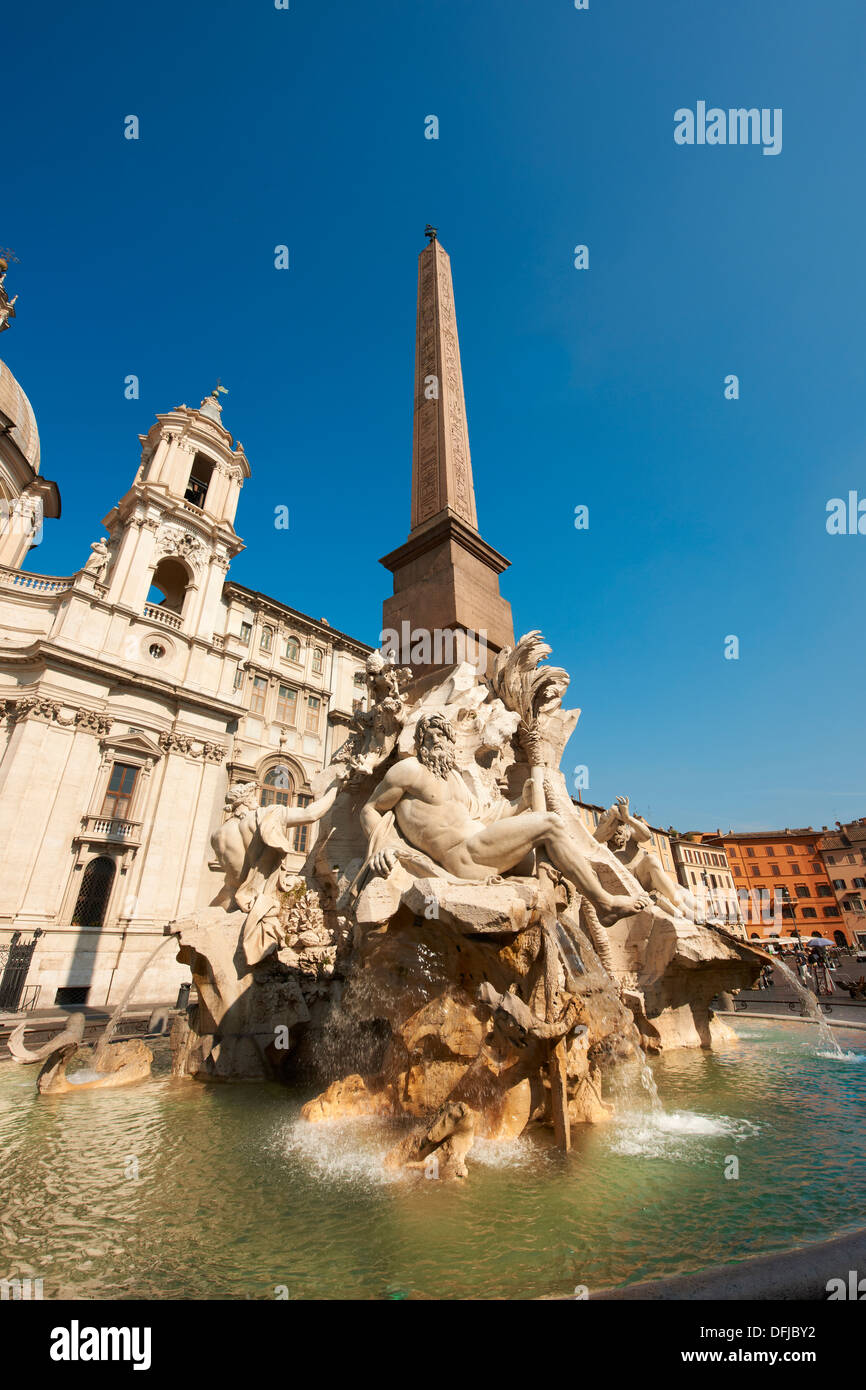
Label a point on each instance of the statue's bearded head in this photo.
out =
(435, 743)
(621, 837)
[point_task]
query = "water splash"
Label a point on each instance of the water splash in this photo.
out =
(648, 1081)
(676, 1134)
(505, 1153)
(341, 1152)
(811, 1009)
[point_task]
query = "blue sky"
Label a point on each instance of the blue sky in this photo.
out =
(602, 387)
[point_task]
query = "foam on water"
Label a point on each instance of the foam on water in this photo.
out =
(674, 1134)
(352, 1151)
(341, 1151)
(688, 1122)
(844, 1056)
(504, 1153)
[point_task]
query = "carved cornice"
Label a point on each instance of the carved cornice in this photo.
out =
(93, 723)
(295, 623)
(192, 747)
(48, 711)
(230, 469)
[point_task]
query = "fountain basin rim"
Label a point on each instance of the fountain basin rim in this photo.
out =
(790, 1018)
(800, 1273)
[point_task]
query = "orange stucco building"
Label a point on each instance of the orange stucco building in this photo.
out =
(788, 863)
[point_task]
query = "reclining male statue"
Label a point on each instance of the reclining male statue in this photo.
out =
(436, 813)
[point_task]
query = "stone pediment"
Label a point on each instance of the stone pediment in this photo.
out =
(139, 744)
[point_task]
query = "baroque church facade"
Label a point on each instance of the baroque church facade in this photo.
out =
(143, 700)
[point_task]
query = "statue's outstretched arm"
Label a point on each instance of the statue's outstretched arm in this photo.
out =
(278, 819)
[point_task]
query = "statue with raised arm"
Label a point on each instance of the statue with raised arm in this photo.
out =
(630, 839)
(376, 729)
(436, 813)
(255, 850)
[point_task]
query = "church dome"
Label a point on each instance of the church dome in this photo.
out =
(17, 408)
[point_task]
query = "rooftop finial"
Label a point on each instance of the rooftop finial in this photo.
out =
(211, 406)
(430, 232)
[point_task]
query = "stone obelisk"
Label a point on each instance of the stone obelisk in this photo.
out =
(446, 577)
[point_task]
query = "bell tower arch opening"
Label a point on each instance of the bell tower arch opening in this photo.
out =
(200, 476)
(170, 585)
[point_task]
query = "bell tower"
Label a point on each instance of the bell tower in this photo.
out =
(172, 534)
(27, 497)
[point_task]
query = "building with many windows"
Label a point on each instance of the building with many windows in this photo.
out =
(784, 874)
(133, 694)
(843, 851)
(707, 875)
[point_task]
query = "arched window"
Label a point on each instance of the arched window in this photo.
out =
(277, 787)
(267, 639)
(94, 893)
(293, 649)
(318, 661)
(169, 585)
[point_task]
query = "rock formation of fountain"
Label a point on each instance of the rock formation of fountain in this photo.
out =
(458, 950)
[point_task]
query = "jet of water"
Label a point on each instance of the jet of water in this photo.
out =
(811, 1007)
(108, 1031)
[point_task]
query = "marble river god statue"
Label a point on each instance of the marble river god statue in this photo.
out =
(459, 956)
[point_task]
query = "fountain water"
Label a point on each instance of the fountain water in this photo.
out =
(648, 1081)
(811, 1007)
(111, 1025)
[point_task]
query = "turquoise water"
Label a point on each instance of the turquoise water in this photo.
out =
(236, 1197)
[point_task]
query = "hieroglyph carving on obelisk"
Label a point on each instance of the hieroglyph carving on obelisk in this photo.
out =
(441, 463)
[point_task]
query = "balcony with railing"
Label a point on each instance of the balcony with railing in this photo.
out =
(110, 830)
(155, 614)
(34, 583)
